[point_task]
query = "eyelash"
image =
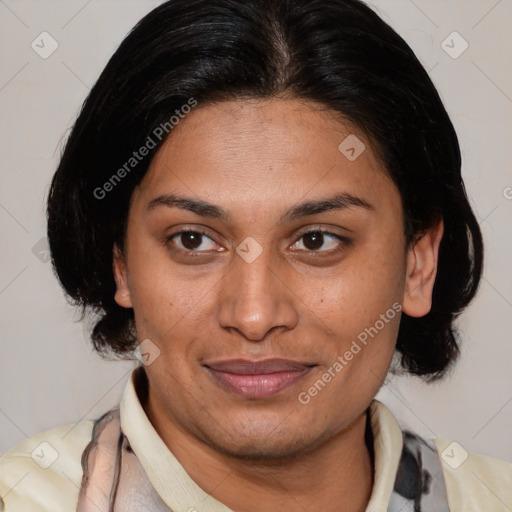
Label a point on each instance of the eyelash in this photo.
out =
(184, 231)
(344, 241)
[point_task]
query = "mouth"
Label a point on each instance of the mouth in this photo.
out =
(257, 379)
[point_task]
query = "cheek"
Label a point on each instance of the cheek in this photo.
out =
(167, 307)
(163, 301)
(360, 311)
(364, 286)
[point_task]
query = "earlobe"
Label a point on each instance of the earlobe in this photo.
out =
(122, 295)
(422, 259)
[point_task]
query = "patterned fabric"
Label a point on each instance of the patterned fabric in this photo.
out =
(419, 484)
(114, 480)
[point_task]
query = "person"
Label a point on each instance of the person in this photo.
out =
(262, 201)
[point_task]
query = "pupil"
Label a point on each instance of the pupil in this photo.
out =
(191, 240)
(314, 240)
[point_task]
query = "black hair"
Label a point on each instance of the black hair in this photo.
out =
(337, 53)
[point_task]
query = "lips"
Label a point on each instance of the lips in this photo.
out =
(257, 379)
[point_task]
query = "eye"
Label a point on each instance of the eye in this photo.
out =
(193, 241)
(320, 241)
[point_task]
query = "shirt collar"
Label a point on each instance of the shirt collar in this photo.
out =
(180, 492)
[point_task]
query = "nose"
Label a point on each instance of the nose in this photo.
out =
(255, 298)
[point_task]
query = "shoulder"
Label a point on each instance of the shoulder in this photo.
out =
(44, 472)
(475, 482)
(443, 475)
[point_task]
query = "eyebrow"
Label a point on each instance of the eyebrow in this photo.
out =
(205, 209)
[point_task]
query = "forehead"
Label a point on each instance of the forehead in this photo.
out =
(263, 151)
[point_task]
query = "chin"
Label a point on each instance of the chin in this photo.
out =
(262, 451)
(259, 442)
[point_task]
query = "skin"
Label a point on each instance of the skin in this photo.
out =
(255, 160)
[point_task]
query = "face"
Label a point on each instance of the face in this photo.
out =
(258, 255)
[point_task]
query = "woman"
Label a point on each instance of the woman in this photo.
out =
(263, 201)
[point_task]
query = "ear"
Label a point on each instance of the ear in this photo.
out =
(122, 295)
(422, 259)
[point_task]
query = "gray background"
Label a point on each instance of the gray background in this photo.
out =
(50, 376)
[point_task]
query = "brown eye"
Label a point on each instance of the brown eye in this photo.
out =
(314, 240)
(321, 242)
(191, 240)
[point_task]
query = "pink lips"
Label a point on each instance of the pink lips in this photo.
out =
(257, 379)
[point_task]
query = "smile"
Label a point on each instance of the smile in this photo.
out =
(257, 379)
